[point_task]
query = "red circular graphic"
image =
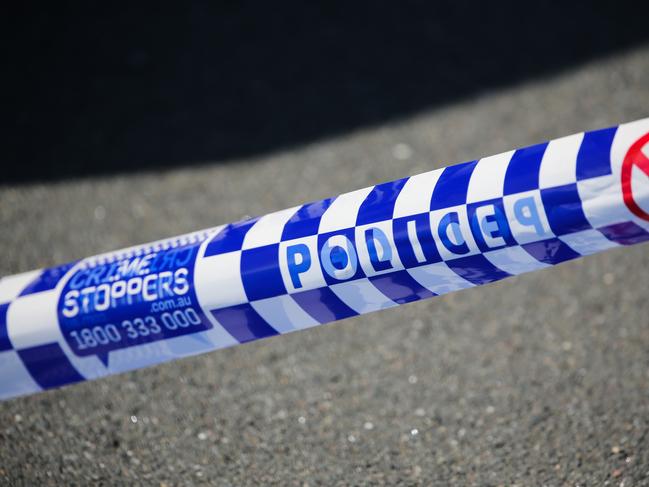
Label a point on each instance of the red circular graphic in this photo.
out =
(634, 157)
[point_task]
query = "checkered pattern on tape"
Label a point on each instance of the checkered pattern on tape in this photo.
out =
(562, 177)
(239, 263)
(26, 369)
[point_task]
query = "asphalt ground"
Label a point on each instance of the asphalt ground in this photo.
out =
(541, 379)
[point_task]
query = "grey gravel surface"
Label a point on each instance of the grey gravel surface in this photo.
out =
(542, 379)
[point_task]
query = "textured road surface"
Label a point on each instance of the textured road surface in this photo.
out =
(541, 379)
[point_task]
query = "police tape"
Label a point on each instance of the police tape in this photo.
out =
(371, 249)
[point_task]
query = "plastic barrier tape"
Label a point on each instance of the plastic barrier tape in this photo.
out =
(397, 242)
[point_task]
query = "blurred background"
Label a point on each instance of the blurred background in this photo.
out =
(126, 124)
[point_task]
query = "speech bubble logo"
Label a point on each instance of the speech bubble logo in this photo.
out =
(134, 300)
(636, 157)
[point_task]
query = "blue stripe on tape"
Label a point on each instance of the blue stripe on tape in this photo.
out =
(5, 343)
(452, 186)
(563, 209)
(551, 251)
(627, 233)
(400, 287)
(379, 204)
(594, 157)
(419, 248)
(306, 220)
(476, 269)
(47, 280)
(260, 272)
(523, 169)
(49, 366)
(230, 238)
(323, 305)
(243, 323)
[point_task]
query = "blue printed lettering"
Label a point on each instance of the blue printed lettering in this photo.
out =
(298, 260)
(489, 226)
(383, 261)
(527, 214)
(342, 263)
(449, 226)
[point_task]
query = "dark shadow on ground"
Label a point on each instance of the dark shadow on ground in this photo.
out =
(104, 89)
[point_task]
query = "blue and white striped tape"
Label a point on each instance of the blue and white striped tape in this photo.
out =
(393, 243)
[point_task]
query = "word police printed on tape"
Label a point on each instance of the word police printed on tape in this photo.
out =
(378, 247)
